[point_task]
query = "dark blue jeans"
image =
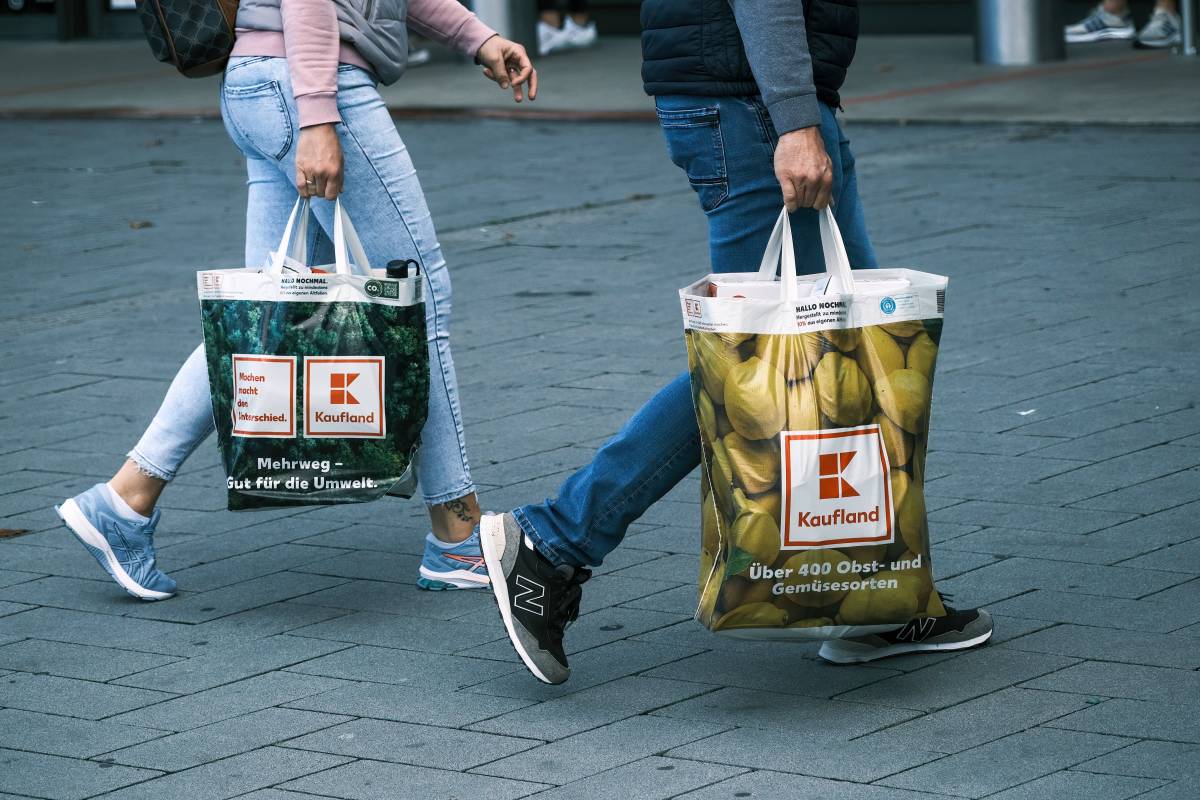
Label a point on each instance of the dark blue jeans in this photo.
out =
(726, 147)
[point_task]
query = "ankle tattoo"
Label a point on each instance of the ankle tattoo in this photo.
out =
(460, 509)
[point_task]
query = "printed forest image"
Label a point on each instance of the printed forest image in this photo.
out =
(318, 470)
(749, 389)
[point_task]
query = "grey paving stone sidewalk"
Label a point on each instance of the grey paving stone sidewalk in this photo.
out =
(300, 661)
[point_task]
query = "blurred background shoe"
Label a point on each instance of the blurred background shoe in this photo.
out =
(1100, 26)
(418, 53)
(579, 35)
(551, 39)
(1163, 30)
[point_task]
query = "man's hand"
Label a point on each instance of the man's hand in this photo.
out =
(319, 169)
(507, 63)
(804, 170)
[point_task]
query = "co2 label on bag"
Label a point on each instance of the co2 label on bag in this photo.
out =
(264, 395)
(837, 489)
(344, 397)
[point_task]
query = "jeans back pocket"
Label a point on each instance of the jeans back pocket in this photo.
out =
(258, 119)
(695, 145)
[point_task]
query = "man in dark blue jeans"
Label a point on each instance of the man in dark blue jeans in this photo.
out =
(746, 92)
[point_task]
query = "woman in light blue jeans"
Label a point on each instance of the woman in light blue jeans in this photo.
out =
(115, 521)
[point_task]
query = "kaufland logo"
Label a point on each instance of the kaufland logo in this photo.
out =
(832, 483)
(344, 397)
(838, 491)
(339, 388)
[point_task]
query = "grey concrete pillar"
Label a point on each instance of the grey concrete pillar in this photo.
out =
(512, 19)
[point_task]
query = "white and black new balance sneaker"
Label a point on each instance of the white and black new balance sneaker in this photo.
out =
(537, 600)
(958, 630)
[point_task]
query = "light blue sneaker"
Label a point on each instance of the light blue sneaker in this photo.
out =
(125, 549)
(457, 567)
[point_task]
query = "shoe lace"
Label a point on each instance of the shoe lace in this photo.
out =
(567, 583)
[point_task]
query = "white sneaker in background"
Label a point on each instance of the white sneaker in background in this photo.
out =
(419, 56)
(579, 35)
(1163, 30)
(551, 38)
(1098, 26)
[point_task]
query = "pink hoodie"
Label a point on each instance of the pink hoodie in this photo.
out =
(313, 49)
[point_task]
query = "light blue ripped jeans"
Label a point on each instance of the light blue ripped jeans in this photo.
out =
(383, 197)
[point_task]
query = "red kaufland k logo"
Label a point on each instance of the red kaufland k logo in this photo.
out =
(832, 485)
(339, 389)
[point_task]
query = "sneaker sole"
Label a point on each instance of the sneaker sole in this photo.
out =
(1156, 44)
(97, 545)
(1099, 36)
(876, 653)
(453, 579)
(491, 541)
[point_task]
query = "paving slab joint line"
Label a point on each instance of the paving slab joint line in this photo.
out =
(1186, 583)
(622, 604)
(1060, 390)
(841, 699)
(354, 718)
(217, 761)
(177, 695)
(235, 612)
(1167, 546)
(745, 769)
(1085, 465)
(739, 773)
(589, 206)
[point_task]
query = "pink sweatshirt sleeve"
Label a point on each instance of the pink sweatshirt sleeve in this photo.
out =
(311, 42)
(448, 22)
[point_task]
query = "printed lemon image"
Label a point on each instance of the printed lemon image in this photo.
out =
(750, 391)
(753, 615)
(806, 572)
(903, 395)
(886, 597)
(843, 392)
(755, 395)
(754, 535)
(795, 356)
(755, 463)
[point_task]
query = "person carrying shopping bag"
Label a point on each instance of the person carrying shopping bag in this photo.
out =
(746, 93)
(299, 99)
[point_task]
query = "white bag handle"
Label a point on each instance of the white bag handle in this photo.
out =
(348, 252)
(346, 238)
(294, 244)
(781, 256)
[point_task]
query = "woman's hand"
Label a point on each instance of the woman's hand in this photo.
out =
(319, 162)
(507, 63)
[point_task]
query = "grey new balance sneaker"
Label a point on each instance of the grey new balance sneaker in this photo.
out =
(537, 600)
(958, 630)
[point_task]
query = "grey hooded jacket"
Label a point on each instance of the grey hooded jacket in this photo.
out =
(376, 28)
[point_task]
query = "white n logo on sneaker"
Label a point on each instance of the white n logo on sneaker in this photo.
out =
(530, 596)
(915, 630)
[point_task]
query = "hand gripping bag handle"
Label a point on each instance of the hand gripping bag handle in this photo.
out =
(348, 251)
(780, 255)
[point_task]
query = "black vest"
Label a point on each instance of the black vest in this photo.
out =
(693, 47)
